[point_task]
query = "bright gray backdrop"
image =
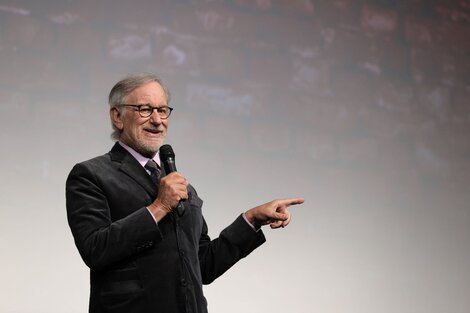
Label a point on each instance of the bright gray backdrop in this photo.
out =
(360, 107)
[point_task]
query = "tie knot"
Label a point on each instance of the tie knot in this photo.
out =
(152, 166)
(154, 170)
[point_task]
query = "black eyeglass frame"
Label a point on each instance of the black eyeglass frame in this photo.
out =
(141, 108)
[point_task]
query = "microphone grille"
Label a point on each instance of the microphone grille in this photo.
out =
(166, 152)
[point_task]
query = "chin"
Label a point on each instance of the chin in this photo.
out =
(147, 150)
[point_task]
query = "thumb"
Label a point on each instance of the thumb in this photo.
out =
(278, 216)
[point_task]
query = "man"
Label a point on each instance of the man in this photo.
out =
(143, 255)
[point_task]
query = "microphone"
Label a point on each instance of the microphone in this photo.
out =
(167, 158)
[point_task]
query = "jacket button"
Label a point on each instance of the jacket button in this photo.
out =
(183, 282)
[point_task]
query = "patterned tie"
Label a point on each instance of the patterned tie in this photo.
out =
(154, 170)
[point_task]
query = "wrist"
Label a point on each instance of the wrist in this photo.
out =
(250, 218)
(159, 209)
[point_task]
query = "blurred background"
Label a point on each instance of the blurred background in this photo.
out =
(359, 106)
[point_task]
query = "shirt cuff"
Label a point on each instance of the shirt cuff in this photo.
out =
(156, 222)
(251, 225)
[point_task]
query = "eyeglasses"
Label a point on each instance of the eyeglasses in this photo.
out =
(145, 110)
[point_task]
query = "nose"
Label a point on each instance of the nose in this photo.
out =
(155, 117)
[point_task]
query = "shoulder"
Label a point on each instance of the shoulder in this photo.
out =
(94, 169)
(102, 162)
(93, 164)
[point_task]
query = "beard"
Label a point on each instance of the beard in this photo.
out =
(147, 149)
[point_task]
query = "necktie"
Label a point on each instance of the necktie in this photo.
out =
(154, 170)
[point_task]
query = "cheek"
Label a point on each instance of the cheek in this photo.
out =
(137, 126)
(133, 129)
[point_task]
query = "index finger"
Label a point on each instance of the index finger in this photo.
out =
(290, 201)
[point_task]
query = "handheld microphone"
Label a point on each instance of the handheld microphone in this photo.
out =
(167, 158)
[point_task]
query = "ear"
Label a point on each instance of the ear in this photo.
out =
(116, 118)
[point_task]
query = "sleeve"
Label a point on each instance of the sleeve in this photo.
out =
(102, 242)
(234, 243)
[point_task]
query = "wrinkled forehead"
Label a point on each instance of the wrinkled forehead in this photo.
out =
(151, 92)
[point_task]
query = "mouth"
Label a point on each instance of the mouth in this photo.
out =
(154, 132)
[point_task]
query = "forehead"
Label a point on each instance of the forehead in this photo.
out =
(148, 93)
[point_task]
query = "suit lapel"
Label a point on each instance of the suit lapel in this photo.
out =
(132, 168)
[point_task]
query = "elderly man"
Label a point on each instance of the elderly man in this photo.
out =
(121, 207)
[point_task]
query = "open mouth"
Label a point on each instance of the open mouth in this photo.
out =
(153, 131)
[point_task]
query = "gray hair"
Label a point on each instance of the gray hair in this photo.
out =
(124, 87)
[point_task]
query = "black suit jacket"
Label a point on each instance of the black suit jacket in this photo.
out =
(137, 265)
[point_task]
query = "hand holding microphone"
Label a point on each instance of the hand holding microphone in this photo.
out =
(176, 182)
(173, 188)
